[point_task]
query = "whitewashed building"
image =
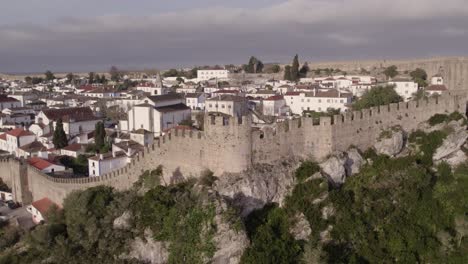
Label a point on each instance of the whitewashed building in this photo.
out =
(405, 88)
(318, 100)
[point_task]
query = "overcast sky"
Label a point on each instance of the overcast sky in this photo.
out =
(85, 35)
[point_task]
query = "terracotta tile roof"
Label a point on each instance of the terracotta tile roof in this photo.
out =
(3, 136)
(172, 108)
(19, 132)
(43, 205)
(436, 88)
(293, 93)
(39, 163)
(5, 99)
(73, 147)
(33, 147)
(165, 97)
(275, 98)
(75, 114)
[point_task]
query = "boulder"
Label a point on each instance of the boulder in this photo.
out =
(392, 145)
(354, 163)
(334, 168)
(456, 158)
(301, 229)
(451, 144)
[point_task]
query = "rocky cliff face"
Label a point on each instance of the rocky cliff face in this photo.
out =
(256, 187)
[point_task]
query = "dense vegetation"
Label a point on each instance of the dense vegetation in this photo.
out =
(84, 231)
(403, 210)
(379, 95)
(395, 210)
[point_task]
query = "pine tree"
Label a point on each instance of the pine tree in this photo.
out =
(295, 69)
(287, 73)
(60, 138)
(100, 135)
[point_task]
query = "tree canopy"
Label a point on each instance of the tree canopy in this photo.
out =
(391, 71)
(379, 95)
(419, 76)
(60, 137)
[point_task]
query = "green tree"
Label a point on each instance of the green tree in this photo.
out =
(391, 71)
(115, 74)
(419, 76)
(295, 68)
(49, 76)
(70, 77)
(28, 79)
(254, 65)
(271, 241)
(60, 138)
(99, 135)
(287, 73)
(275, 68)
(304, 70)
(380, 95)
(91, 77)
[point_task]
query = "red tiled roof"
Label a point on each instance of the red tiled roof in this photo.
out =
(39, 163)
(75, 114)
(3, 136)
(4, 99)
(292, 93)
(73, 147)
(275, 98)
(19, 132)
(436, 88)
(43, 205)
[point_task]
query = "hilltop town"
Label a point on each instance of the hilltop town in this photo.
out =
(61, 135)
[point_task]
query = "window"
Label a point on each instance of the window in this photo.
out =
(341, 101)
(210, 105)
(302, 100)
(308, 100)
(229, 106)
(320, 100)
(328, 100)
(222, 106)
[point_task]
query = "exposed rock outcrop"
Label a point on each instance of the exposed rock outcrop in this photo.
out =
(334, 168)
(301, 229)
(391, 145)
(256, 187)
(452, 144)
(354, 163)
(123, 221)
(230, 241)
(148, 250)
(341, 165)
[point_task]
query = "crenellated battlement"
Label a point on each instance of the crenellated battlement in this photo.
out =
(230, 144)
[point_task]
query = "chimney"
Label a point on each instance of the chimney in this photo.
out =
(101, 156)
(315, 91)
(113, 154)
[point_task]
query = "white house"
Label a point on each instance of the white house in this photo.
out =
(274, 106)
(8, 102)
(13, 139)
(158, 113)
(151, 88)
(75, 120)
(208, 74)
(227, 104)
(195, 101)
(437, 80)
(39, 209)
(435, 89)
(405, 88)
(73, 150)
(105, 163)
(319, 101)
(45, 165)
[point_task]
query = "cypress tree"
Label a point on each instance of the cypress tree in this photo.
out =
(60, 138)
(295, 69)
(287, 73)
(99, 136)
